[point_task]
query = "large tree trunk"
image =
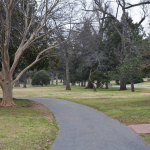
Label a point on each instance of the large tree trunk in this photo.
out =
(7, 100)
(92, 84)
(106, 85)
(56, 78)
(89, 86)
(67, 73)
(81, 83)
(90, 80)
(123, 84)
(132, 85)
(123, 80)
(25, 80)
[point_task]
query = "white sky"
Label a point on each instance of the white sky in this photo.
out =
(135, 12)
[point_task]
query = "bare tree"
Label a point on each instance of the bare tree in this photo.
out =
(123, 26)
(61, 36)
(38, 23)
(91, 38)
(129, 5)
(67, 34)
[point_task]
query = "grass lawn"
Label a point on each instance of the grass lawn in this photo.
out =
(113, 82)
(145, 79)
(125, 106)
(31, 126)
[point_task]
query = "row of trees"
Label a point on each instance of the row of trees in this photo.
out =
(108, 47)
(91, 40)
(27, 25)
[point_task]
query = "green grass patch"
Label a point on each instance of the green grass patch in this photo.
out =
(146, 137)
(125, 106)
(26, 127)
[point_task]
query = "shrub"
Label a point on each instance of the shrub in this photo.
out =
(40, 78)
(136, 80)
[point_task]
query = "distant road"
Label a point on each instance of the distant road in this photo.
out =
(137, 85)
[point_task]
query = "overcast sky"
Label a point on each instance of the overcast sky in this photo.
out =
(135, 12)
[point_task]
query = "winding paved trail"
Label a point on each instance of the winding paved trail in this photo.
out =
(83, 128)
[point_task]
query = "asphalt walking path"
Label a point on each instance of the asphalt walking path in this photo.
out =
(83, 128)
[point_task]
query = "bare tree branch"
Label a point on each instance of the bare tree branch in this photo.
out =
(37, 59)
(15, 4)
(134, 5)
(4, 5)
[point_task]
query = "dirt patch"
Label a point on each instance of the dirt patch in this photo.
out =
(146, 134)
(40, 109)
(146, 101)
(14, 106)
(34, 106)
(87, 98)
(143, 102)
(133, 120)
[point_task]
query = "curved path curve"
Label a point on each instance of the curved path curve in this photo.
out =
(83, 128)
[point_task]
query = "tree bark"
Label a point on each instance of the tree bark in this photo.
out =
(106, 85)
(132, 85)
(56, 78)
(90, 80)
(67, 72)
(25, 80)
(82, 83)
(93, 86)
(123, 84)
(7, 100)
(123, 80)
(89, 86)
(28, 38)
